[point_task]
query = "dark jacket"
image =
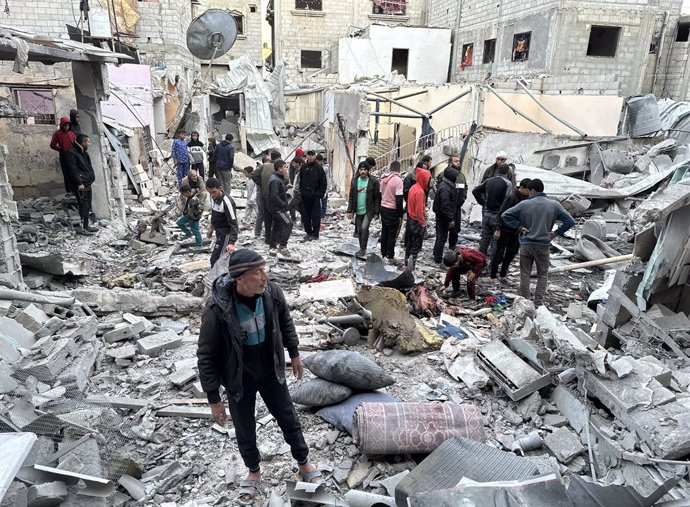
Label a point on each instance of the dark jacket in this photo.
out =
(492, 171)
(224, 156)
(446, 199)
(79, 166)
(312, 182)
(373, 197)
(74, 125)
(219, 350)
(224, 218)
(491, 193)
(277, 199)
(512, 199)
(409, 180)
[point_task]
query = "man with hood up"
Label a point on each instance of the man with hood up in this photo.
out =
(62, 142)
(416, 217)
(392, 210)
(74, 125)
(245, 330)
(445, 208)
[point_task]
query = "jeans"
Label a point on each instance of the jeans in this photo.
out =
(488, 227)
(324, 207)
(225, 178)
(268, 222)
(190, 227)
(390, 228)
(442, 234)
(507, 247)
(282, 228)
(65, 172)
(219, 247)
(530, 254)
(182, 172)
(362, 230)
(277, 399)
(311, 217)
(84, 197)
(260, 213)
(414, 238)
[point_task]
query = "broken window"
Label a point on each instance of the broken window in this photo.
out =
(489, 51)
(239, 21)
(683, 34)
(521, 43)
(389, 7)
(308, 5)
(603, 41)
(399, 61)
(310, 59)
(467, 55)
(38, 103)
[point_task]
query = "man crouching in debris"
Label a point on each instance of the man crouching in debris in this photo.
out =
(463, 261)
(244, 331)
(223, 220)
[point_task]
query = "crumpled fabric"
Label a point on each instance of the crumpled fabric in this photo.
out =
(21, 61)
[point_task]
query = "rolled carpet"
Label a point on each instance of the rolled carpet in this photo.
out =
(399, 428)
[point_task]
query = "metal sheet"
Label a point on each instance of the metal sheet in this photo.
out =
(587, 494)
(643, 116)
(14, 448)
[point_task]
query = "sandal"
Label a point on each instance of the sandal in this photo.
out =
(248, 488)
(310, 476)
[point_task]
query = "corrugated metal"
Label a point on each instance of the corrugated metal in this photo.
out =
(675, 119)
(643, 116)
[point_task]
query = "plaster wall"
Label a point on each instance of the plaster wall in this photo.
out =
(131, 101)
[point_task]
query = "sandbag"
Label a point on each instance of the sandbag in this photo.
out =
(401, 428)
(348, 368)
(342, 414)
(320, 393)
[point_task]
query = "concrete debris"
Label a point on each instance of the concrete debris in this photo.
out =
(564, 444)
(55, 264)
(48, 493)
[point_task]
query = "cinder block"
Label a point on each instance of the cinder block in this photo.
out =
(124, 332)
(32, 318)
(154, 344)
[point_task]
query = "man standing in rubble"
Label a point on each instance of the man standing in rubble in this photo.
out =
(392, 210)
(492, 170)
(277, 205)
(411, 177)
(223, 220)
(312, 187)
(535, 218)
(416, 217)
(445, 208)
(490, 195)
(224, 156)
(507, 239)
(180, 155)
(245, 330)
(364, 203)
(267, 170)
(62, 142)
(82, 176)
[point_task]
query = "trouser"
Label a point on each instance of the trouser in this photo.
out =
(507, 247)
(199, 166)
(471, 286)
(488, 227)
(454, 232)
(268, 222)
(362, 230)
(84, 202)
(324, 207)
(211, 169)
(414, 238)
(219, 247)
(182, 172)
(250, 211)
(65, 172)
(529, 255)
(282, 228)
(390, 228)
(295, 206)
(225, 178)
(442, 234)
(277, 399)
(190, 227)
(260, 213)
(311, 216)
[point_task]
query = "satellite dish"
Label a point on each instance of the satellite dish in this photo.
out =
(212, 34)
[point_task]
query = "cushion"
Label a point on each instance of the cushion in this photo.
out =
(342, 414)
(348, 368)
(320, 393)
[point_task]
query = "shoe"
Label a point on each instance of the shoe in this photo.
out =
(91, 228)
(361, 253)
(85, 232)
(438, 261)
(273, 252)
(284, 252)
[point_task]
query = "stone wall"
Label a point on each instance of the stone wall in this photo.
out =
(10, 266)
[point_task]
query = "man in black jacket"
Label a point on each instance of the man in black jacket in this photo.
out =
(245, 330)
(507, 239)
(223, 220)
(445, 208)
(312, 188)
(224, 156)
(81, 175)
(492, 170)
(490, 196)
(278, 206)
(364, 203)
(411, 177)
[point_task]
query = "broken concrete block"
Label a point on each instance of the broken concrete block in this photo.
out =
(15, 333)
(528, 408)
(122, 332)
(555, 420)
(551, 327)
(140, 301)
(564, 444)
(465, 368)
(46, 494)
(155, 344)
(125, 352)
(32, 318)
(55, 264)
(181, 377)
(139, 324)
(16, 496)
(570, 407)
(622, 366)
(76, 376)
(328, 291)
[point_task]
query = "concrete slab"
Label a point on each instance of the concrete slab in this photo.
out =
(120, 333)
(564, 444)
(32, 318)
(570, 407)
(155, 344)
(465, 368)
(181, 377)
(328, 290)
(125, 352)
(118, 402)
(16, 334)
(203, 412)
(14, 448)
(55, 264)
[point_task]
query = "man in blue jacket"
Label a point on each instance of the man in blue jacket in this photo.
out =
(535, 218)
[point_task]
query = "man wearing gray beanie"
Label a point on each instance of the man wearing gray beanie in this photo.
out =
(245, 330)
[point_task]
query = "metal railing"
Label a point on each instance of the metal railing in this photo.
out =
(409, 153)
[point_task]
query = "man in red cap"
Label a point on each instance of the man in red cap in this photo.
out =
(62, 142)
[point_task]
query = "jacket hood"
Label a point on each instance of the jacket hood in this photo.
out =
(222, 291)
(224, 142)
(389, 176)
(423, 177)
(451, 173)
(64, 120)
(73, 113)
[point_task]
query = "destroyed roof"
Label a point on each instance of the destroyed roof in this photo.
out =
(675, 119)
(45, 49)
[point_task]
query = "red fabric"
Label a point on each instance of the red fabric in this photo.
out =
(416, 199)
(472, 260)
(299, 152)
(62, 141)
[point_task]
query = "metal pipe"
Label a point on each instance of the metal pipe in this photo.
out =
(591, 264)
(447, 103)
(371, 99)
(396, 115)
(531, 95)
(533, 122)
(10, 294)
(399, 104)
